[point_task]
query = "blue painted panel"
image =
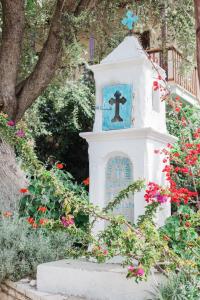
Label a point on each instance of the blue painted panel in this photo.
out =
(117, 106)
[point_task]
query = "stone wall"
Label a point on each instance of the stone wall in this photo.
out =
(10, 291)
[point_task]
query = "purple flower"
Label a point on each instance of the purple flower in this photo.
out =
(11, 123)
(140, 272)
(161, 198)
(20, 133)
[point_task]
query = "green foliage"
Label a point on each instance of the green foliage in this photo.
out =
(180, 286)
(22, 249)
(56, 121)
(188, 112)
(181, 231)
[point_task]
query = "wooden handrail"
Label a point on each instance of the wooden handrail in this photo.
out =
(189, 84)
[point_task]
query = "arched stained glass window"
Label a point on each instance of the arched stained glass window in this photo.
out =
(119, 175)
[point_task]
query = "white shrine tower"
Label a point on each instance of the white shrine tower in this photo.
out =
(129, 126)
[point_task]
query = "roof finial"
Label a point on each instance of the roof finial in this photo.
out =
(130, 20)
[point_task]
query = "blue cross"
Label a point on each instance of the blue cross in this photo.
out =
(130, 20)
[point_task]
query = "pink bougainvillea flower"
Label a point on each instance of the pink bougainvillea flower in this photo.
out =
(11, 123)
(105, 252)
(67, 221)
(20, 133)
(140, 272)
(169, 146)
(161, 198)
(131, 268)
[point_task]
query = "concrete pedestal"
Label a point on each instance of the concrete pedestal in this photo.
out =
(92, 281)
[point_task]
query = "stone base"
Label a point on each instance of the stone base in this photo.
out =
(22, 291)
(92, 281)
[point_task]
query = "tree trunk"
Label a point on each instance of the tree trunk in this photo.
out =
(16, 99)
(12, 178)
(197, 18)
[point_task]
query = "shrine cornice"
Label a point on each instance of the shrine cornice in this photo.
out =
(130, 134)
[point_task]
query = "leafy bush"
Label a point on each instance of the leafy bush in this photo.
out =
(181, 232)
(56, 120)
(41, 200)
(22, 249)
(180, 286)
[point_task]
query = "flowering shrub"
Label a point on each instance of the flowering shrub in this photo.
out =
(184, 155)
(44, 199)
(53, 201)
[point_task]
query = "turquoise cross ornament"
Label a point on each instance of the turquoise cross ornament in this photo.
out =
(130, 20)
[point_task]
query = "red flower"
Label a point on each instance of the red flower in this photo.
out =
(187, 224)
(169, 146)
(59, 166)
(177, 109)
(43, 209)
(30, 220)
(176, 154)
(86, 181)
(152, 190)
(23, 190)
(177, 98)
(43, 221)
(188, 145)
(185, 170)
(155, 85)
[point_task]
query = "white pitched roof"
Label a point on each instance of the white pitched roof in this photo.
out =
(129, 49)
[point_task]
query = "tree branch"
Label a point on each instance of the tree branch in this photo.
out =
(33, 86)
(10, 51)
(46, 65)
